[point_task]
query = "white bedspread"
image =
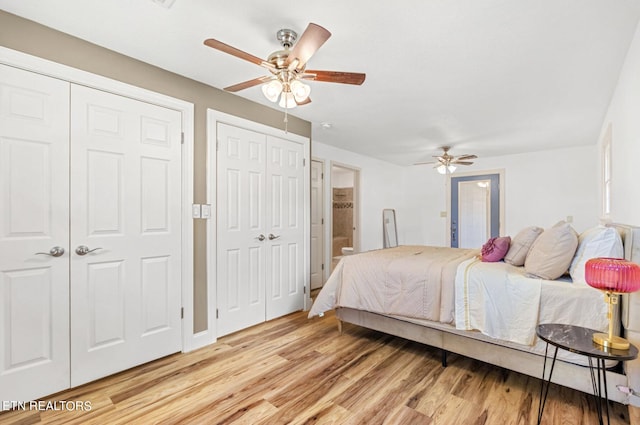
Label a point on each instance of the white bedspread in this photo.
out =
(499, 303)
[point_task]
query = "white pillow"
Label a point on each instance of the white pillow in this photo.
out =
(595, 242)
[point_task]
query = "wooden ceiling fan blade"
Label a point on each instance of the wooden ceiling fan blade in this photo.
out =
(247, 84)
(467, 156)
(304, 102)
(456, 162)
(312, 38)
(335, 77)
(219, 45)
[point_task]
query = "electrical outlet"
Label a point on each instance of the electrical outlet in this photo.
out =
(443, 214)
(569, 219)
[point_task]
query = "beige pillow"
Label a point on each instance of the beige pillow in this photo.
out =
(521, 244)
(551, 254)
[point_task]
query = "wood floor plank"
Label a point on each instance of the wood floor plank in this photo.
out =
(293, 370)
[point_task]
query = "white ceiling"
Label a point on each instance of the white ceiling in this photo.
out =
(489, 77)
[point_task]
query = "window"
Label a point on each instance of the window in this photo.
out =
(606, 173)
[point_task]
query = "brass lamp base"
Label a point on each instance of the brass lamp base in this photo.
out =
(614, 342)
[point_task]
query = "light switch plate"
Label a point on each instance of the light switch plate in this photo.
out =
(205, 211)
(195, 208)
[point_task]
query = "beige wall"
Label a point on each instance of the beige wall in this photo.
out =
(32, 38)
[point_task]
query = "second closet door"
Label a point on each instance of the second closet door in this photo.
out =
(260, 231)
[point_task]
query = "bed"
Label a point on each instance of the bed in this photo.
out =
(438, 311)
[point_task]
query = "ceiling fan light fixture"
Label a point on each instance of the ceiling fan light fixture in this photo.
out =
(287, 100)
(443, 169)
(272, 90)
(300, 90)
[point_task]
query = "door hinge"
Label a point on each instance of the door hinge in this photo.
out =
(304, 162)
(217, 145)
(182, 312)
(217, 315)
(321, 176)
(322, 267)
(182, 138)
(322, 221)
(304, 289)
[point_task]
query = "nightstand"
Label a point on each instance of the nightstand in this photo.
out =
(579, 340)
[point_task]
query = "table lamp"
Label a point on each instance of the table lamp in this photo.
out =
(614, 276)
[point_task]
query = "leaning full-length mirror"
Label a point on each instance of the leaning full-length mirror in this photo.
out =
(389, 231)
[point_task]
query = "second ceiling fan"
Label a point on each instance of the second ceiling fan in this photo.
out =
(288, 67)
(447, 163)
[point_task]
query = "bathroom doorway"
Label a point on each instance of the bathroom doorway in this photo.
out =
(344, 215)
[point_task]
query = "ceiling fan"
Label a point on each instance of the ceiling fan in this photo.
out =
(446, 163)
(288, 67)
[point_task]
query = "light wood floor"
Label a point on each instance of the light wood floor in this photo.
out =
(300, 371)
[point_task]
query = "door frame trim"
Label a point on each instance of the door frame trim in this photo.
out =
(72, 75)
(501, 191)
(213, 117)
(325, 270)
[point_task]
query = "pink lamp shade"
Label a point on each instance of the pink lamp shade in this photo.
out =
(613, 274)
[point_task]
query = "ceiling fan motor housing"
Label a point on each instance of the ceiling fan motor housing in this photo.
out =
(287, 37)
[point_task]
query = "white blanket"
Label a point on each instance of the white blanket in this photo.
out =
(497, 301)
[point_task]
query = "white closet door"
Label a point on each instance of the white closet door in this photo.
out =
(285, 221)
(34, 194)
(241, 228)
(125, 209)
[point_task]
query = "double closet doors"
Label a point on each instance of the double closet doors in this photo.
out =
(260, 228)
(89, 233)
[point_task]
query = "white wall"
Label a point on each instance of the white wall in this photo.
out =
(541, 188)
(341, 177)
(624, 116)
(544, 187)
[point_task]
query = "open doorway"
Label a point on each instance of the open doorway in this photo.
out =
(344, 211)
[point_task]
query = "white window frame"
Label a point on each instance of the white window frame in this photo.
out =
(606, 173)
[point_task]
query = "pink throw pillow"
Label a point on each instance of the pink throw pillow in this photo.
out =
(495, 249)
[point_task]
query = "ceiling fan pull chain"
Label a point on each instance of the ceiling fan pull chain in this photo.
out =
(286, 120)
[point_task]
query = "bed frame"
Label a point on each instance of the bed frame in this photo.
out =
(475, 345)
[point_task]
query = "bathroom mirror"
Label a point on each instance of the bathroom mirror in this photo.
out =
(389, 231)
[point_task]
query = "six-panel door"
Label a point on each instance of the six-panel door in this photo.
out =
(34, 219)
(125, 209)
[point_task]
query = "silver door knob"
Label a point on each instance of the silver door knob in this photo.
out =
(56, 251)
(272, 236)
(260, 238)
(84, 250)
